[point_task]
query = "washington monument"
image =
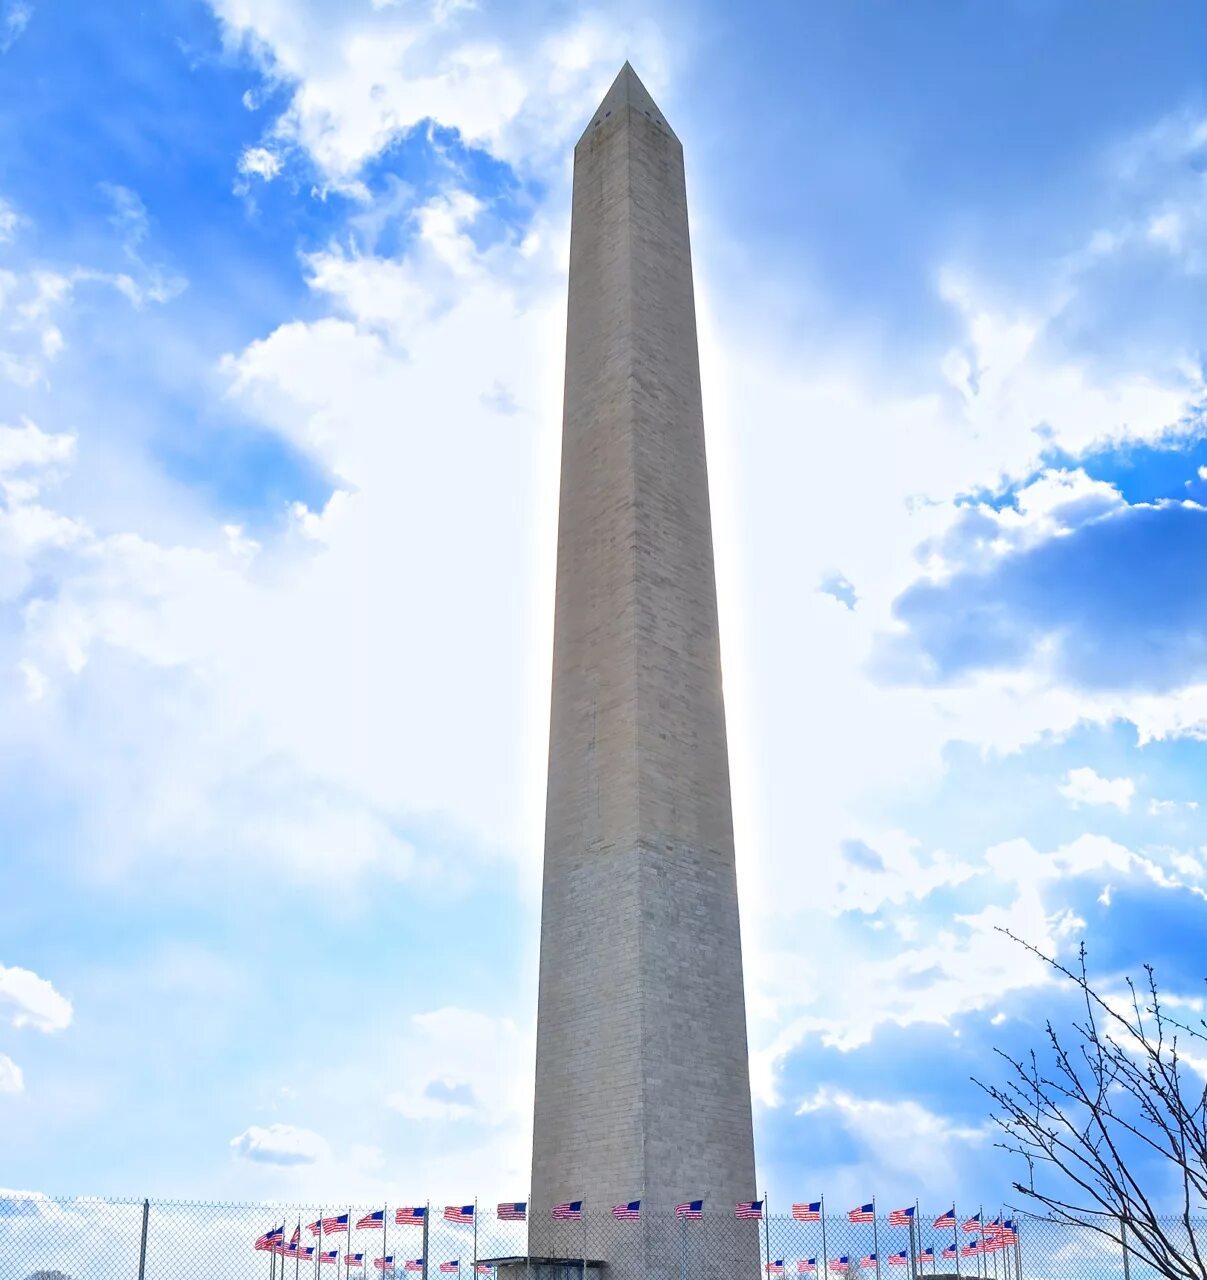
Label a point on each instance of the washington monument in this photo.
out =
(642, 1076)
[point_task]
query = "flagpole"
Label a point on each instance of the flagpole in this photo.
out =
(682, 1248)
(427, 1219)
(1018, 1252)
(528, 1237)
(982, 1269)
(825, 1258)
(583, 1207)
(916, 1220)
(767, 1229)
(474, 1273)
(876, 1237)
(297, 1249)
(955, 1235)
(318, 1253)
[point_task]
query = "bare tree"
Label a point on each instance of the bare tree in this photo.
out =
(1105, 1100)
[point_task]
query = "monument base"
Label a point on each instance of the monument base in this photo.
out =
(533, 1268)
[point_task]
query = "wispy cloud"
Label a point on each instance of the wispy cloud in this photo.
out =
(14, 18)
(281, 1144)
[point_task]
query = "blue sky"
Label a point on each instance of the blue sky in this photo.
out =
(281, 303)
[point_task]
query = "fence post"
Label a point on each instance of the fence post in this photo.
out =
(142, 1248)
(1127, 1267)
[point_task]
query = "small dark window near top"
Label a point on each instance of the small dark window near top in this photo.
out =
(607, 114)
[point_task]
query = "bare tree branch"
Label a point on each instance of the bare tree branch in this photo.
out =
(1114, 1097)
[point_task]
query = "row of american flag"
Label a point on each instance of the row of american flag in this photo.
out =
(999, 1233)
(274, 1241)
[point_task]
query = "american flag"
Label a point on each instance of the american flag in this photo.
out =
(454, 1265)
(950, 1252)
(749, 1209)
(314, 1227)
(377, 1219)
(947, 1221)
(571, 1211)
(270, 1239)
(901, 1217)
(627, 1212)
(329, 1256)
(384, 1264)
(1008, 1235)
(335, 1226)
(973, 1223)
(868, 1260)
(927, 1255)
(840, 1264)
(807, 1264)
(690, 1209)
(458, 1213)
(297, 1234)
(485, 1268)
(306, 1252)
(414, 1264)
(810, 1212)
(411, 1214)
(865, 1213)
(970, 1250)
(354, 1259)
(513, 1211)
(776, 1268)
(898, 1259)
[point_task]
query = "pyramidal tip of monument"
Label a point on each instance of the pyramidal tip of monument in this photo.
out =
(628, 91)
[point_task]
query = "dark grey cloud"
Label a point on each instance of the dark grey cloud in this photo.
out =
(841, 588)
(460, 1095)
(862, 855)
(1120, 602)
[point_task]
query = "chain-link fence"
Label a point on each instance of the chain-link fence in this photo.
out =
(88, 1238)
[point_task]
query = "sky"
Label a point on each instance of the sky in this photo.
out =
(282, 300)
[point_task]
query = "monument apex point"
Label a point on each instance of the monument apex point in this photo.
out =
(628, 91)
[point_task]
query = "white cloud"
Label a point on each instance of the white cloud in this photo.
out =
(11, 1078)
(260, 162)
(14, 18)
(129, 218)
(1084, 786)
(26, 449)
(31, 1001)
(10, 220)
(225, 760)
(283, 1144)
(380, 72)
(1160, 807)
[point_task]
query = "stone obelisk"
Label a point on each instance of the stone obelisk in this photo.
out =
(642, 1074)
